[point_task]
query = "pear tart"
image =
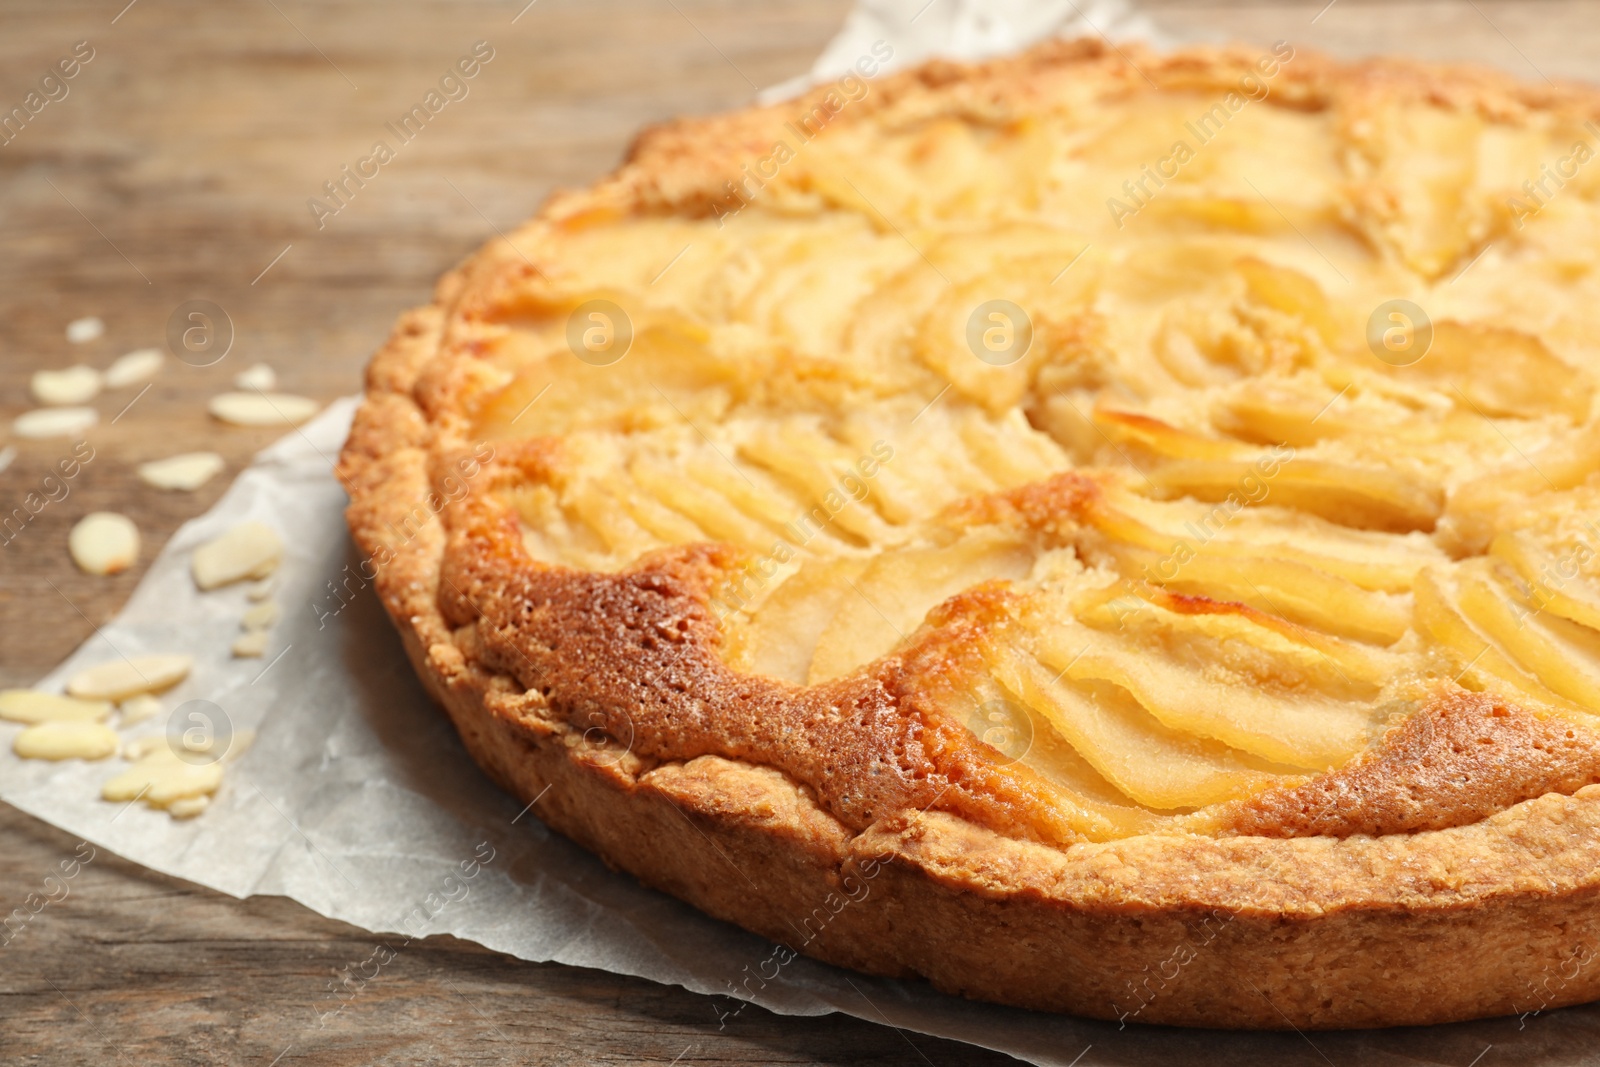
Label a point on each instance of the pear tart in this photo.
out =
(1104, 531)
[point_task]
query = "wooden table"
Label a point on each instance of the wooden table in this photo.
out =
(178, 167)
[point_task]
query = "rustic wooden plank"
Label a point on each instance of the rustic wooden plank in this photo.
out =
(178, 167)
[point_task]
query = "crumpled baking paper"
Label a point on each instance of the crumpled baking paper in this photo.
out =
(357, 800)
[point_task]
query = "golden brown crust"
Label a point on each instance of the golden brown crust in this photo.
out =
(1455, 761)
(849, 823)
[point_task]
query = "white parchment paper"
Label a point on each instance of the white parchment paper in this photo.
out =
(358, 801)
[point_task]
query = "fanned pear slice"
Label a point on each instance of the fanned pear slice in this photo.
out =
(1362, 495)
(898, 589)
(704, 506)
(1478, 506)
(1372, 560)
(1480, 661)
(1221, 675)
(1563, 655)
(780, 637)
(1300, 593)
(1083, 798)
(1158, 767)
(1553, 543)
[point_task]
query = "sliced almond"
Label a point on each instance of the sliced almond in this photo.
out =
(66, 740)
(59, 388)
(138, 749)
(251, 646)
(259, 377)
(103, 542)
(188, 807)
(263, 409)
(54, 422)
(187, 470)
(8, 455)
(260, 617)
(137, 709)
(120, 679)
(137, 366)
(161, 778)
(262, 589)
(32, 706)
(249, 550)
(82, 331)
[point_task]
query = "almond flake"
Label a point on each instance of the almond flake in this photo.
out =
(138, 749)
(249, 550)
(66, 740)
(54, 422)
(120, 679)
(161, 777)
(263, 409)
(259, 377)
(188, 807)
(34, 706)
(82, 331)
(7, 455)
(260, 617)
(187, 470)
(59, 388)
(252, 645)
(137, 709)
(137, 366)
(262, 589)
(104, 542)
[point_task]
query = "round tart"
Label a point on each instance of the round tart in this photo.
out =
(1104, 531)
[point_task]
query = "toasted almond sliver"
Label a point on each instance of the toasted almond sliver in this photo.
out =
(82, 331)
(251, 645)
(66, 740)
(54, 422)
(103, 542)
(59, 388)
(263, 409)
(32, 706)
(260, 617)
(137, 709)
(249, 550)
(189, 807)
(120, 679)
(259, 377)
(187, 470)
(137, 366)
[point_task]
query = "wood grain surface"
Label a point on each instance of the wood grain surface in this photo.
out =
(177, 167)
